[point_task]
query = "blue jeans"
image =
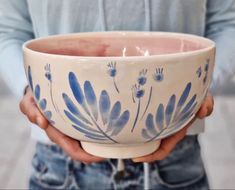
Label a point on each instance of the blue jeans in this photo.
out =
(181, 170)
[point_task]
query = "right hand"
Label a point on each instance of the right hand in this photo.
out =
(71, 146)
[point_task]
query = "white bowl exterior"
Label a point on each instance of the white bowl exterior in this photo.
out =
(177, 72)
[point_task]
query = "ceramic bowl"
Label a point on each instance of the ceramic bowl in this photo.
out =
(119, 93)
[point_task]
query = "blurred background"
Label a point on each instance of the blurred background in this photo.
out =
(218, 142)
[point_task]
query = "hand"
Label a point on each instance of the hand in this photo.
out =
(70, 146)
(169, 143)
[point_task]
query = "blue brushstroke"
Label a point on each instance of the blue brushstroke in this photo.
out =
(37, 92)
(120, 123)
(136, 117)
(91, 99)
(43, 104)
(160, 117)
(150, 124)
(170, 109)
(78, 122)
(104, 105)
(77, 91)
(30, 78)
(149, 99)
(73, 109)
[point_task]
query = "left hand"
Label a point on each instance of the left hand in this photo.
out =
(169, 143)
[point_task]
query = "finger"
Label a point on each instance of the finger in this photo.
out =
(167, 145)
(71, 146)
(206, 108)
(30, 109)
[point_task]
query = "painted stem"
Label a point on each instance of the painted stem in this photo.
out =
(115, 84)
(52, 100)
(150, 95)
(54, 104)
(159, 133)
(102, 130)
(137, 115)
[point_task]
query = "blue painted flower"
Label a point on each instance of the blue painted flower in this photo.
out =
(42, 103)
(158, 75)
(48, 75)
(142, 77)
(138, 91)
(170, 117)
(112, 71)
(199, 72)
(87, 120)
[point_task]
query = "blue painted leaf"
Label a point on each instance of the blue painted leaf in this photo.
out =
(77, 122)
(73, 109)
(184, 95)
(145, 134)
(87, 132)
(96, 138)
(183, 99)
(182, 121)
(48, 115)
(77, 91)
(160, 117)
(37, 92)
(104, 106)
(43, 104)
(150, 125)
(189, 104)
(115, 112)
(30, 78)
(185, 115)
(91, 98)
(170, 109)
(120, 123)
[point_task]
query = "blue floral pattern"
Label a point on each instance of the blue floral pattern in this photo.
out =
(85, 117)
(48, 76)
(206, 68)
(199, 72)
(158, 75)
(171, 117)
(138, 92)
(37, 94)
(112, 71)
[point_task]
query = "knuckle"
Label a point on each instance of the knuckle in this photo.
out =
(31, 116)
(21, 106)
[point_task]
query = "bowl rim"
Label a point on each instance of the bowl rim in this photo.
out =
(191, 37)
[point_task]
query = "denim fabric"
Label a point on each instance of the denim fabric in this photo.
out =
(181, 170)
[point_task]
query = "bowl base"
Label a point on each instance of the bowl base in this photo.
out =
(120, 151)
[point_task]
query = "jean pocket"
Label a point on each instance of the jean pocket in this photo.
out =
(49, 173)
(183, 167)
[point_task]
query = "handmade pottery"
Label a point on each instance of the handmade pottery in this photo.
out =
(119, 93)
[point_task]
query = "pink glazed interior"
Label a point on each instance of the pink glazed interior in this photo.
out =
(109, 46)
